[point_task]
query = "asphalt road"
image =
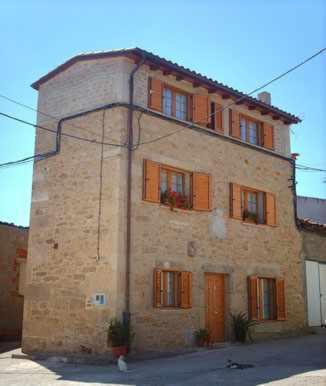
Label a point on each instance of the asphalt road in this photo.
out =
(295, 361)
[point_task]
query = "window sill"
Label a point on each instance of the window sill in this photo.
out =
(251, 224)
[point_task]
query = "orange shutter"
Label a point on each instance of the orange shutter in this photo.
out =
(155, 94)
(268, 136)
(235, 198)
(219, 118)
(280, 300)
(200, 114)
(253, 301)
(157, 288)
(235, 124)
(201, 191)
(186, 289)
(151, 181)
(270, 209)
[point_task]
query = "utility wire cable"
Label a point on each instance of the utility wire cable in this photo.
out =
(63, 134)
(244, 96)
(41, 112)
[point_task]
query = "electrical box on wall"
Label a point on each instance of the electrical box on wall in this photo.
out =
(99, 299)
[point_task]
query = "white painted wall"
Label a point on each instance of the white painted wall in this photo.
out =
(313, 293)
(322, 281)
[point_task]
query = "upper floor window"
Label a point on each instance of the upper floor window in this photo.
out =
(175, 187)
(251, 130)
(251, 205)
(175, 103)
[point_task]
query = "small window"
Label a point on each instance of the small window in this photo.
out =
(253, 206)
(167, 101)
(267, 298)
(250, 131)
(175, 188)
(172, 289)
(175, 103)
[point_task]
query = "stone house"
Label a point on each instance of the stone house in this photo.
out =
(161, 196)
(13, 253)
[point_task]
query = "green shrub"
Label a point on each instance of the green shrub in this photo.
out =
(201, 337)
(119, 334)
(241, 326)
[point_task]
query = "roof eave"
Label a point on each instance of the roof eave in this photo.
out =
(175, 68)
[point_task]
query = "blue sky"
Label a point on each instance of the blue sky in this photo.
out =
(240, 43)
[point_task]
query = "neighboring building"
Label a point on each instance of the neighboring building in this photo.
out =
(13, 252)
(312, 214)
(312, 208)
(213, 228)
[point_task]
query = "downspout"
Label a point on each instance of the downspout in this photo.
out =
(126, 313)
(294, 190)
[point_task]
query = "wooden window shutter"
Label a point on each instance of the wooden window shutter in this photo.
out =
(235, 124)
(157, 288)
(235, 198)
(200, 114)
(253, 299)
(280, 300)
(268, 136)
(219, 118)
(155, 94)
(270, 209)
(151, 189)
(201, 191)
(186, 289)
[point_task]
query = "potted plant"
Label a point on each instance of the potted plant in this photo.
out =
(201, 337)
(242, 326)
(119, 337)
(251, 216)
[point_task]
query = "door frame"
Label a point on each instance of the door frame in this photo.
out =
(224, 275)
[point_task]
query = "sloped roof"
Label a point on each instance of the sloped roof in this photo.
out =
(169, 67)
(312, 225)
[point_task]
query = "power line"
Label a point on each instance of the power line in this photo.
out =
(63, 134)
(244, 96)
(309, 168)
(41, 112)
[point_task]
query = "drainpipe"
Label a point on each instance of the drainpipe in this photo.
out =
(294, 190)
(126, 313)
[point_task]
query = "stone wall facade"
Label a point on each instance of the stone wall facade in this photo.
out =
(65, 268)
(13, 239)
(314, 245)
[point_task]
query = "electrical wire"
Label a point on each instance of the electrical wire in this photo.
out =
(63, 134)
(42, 113)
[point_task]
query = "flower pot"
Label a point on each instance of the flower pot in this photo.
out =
(119, 350)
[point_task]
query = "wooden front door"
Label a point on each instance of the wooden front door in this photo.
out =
(215, 306)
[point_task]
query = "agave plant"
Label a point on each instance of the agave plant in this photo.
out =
(241, 326)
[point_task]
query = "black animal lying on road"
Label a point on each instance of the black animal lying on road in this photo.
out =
(240, 366)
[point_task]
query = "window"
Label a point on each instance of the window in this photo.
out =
(172, 288)
(249, 130)
(175, 187)
(175, 103)
(167, 101)
(253, 206)
(266, 298)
